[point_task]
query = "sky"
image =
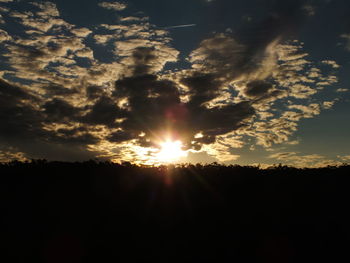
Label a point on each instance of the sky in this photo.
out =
(150, 82)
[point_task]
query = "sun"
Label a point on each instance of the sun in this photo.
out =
(170, 151)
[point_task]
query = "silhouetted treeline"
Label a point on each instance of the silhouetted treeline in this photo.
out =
(107, 212)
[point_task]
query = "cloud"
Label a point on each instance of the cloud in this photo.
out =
(85, 52)
(48, 9)
(104, 111)
(310, 160)
(81, 32)
(328, 104)
(59, 110)
(342, 90)
(242, 89)
(144, 57)
(347, 39)
(10, 154)
(19, 118)
(43, 18)
(4, 36)
(103, 39)
(283, 155)
(308, 110)
(133, 19)
(117, 6)
(332, 63)
(274, 71)
(345, 158)
(24, 119)
(257, 88)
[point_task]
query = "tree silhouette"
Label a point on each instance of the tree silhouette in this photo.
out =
(103, 212)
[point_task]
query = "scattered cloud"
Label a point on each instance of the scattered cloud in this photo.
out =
(11, 154)
(310, 160)
(328, 104)
(81, 32)
(238, 92)
(342, 90)
(332, 63)
(117, 6)
(103, 39)
(4, 36)
(345, 158)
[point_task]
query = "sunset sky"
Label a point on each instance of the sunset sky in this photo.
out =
(159, 81)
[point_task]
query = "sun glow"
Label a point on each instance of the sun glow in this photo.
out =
(170, 151)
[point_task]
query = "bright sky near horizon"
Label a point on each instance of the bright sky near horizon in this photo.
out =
(159, 81)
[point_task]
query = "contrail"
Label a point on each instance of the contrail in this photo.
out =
(179, 26)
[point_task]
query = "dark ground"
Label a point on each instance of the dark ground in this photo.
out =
(103, 212)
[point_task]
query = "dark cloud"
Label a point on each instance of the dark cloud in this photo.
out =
(222, 56)
(221, 120)
(94, 92)
(22, 126)
(74, 139)
(59, 110)
(74, 136)
(143, 58)
(155, 108)
(150, 100)
(104, 111)
(257, 88)
(19, 119)
(59, 90)
(202, 87)
(121, 136)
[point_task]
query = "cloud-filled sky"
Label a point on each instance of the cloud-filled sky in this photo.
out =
(247, 82)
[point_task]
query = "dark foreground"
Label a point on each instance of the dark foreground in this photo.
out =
(90, 212)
